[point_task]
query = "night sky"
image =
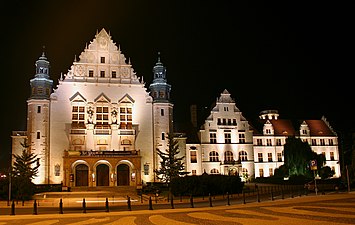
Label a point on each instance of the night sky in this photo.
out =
(291, 56)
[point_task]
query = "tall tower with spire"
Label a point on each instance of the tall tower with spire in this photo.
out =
(38, 117)
(162, 109)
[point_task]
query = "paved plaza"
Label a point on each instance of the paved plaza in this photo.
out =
(331, 208)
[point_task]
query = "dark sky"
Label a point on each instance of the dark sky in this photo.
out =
(291, 56)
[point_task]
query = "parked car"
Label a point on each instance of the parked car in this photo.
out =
(331, 184)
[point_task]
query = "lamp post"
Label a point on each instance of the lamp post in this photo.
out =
(10, 175)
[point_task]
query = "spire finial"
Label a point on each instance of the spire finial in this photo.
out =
(43, 51)
(158, 57)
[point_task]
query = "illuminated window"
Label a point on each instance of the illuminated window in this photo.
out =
(213, 138)
(243, 156)
(228, 156)
(331, 156)
(241, 138)
(269, 157)
(193, 156)
(227, 137)
(271, 172)
(279, 157)
(214, 157)
(78, 116)
(126, 117)
(261, 173)
(278, 142)
(102, 114)
(260, 157)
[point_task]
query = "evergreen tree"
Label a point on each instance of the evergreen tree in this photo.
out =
(298, 155)
(171, 165)
(24, 169)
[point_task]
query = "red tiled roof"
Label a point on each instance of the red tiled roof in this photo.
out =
(283, 127)
(319, 128)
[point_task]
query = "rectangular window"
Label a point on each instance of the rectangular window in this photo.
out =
(278, 142)
(113, 74)
(268, 142)
(38, 109)
(279, 157)
(146, 169)
(227, 138)
(162, 112)
(102, 59)
(331, 142)
(57, 170)
(241, 138)
(322, 142)
(269, 157)
(162, 136)
(226, 108)
(332, 156)
(193, 172)
(213, 138)
(314, 142)
(271, 172)
(219, 121)
(102, 73)
(268, 131)
(38, 135)
(91, 73)
(260, 157)
(102, 115)
(261, 173)
(259, 142)
(193, 156)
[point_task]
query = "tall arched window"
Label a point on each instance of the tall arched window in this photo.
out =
(243, 156)
(214, 156)
(228, 156)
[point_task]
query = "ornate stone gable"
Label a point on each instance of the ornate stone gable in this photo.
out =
(102, 61)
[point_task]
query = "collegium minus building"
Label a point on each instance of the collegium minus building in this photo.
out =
(101, 127)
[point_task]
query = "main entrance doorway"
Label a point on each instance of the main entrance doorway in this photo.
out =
(122, 175)
(102, 175)
(81, 175)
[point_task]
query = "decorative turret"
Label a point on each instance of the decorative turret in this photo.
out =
(41, 84)
(160, 89)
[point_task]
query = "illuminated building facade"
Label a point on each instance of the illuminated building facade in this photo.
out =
(100, 126)
(229, 144)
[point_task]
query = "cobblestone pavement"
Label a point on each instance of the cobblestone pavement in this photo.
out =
(314, 210)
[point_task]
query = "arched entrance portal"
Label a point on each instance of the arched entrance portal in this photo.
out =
(81, 175)
(122, 175)
(102, 175)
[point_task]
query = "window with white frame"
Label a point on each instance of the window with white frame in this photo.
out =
(214, 157)
(243, 156)
(260, 157)
(241, 138)
(213, 137)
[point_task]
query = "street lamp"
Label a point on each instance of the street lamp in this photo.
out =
(10, 175)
